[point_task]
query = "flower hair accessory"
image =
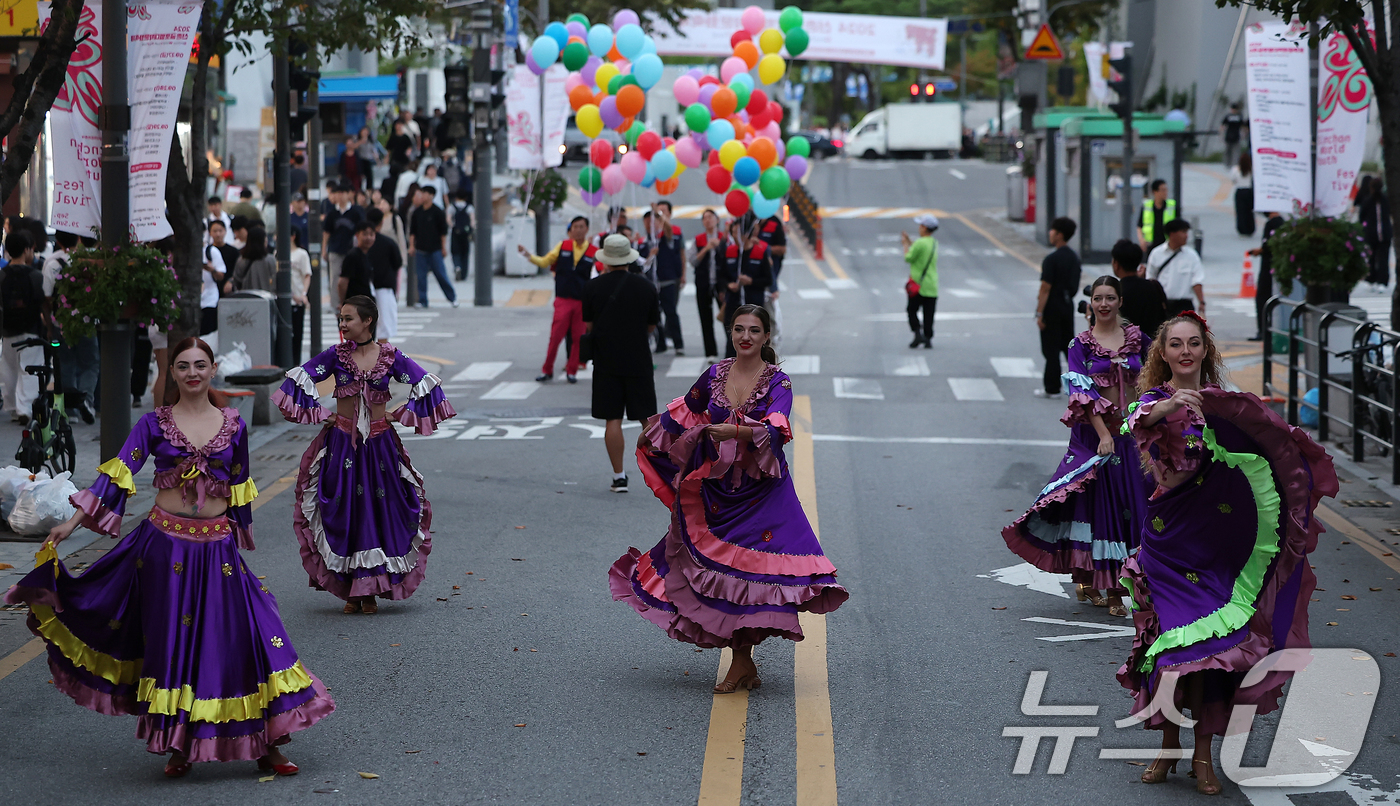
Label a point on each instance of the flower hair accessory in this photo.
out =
(1200, 320)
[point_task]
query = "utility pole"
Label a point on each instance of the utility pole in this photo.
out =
(542, 214)
(923, 77)
(481, 164)
(281, 183)
(313, 204)
(116, 201)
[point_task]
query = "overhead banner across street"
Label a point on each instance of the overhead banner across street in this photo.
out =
(866, 39)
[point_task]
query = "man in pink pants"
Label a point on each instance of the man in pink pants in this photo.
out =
(571, 263)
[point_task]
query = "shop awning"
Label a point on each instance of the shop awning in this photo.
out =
(353, 89)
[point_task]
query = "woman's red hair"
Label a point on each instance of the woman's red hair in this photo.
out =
(171, 393)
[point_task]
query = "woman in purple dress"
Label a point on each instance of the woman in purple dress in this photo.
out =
(361, 515)
(171, 625)
(1085, 522)
(740, 561)
(1222, 579)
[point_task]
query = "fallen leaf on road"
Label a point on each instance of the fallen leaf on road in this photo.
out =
(411, 752)
(262, 577)
(442, 598)
(1138, 763)
(1331, 624)
(520, 527)
(687, 674)
(5, 566)
(1390, 654)
(534, 650)
(1344, 610)
(469, 573)
(1346, 580)
(521, 725)
(699, 650)
(1375, 589)
(1324, 590)
(1349, 597)
(367, 775)
(325, 791)
(1346, 542)
(456, 587)
(517, 559)
(268, 778)
(517, 649)
(524, 614)
(998, 608)
(396, 645)
(640, 753)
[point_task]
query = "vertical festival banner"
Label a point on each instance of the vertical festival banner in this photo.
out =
(556, 113)
(1280, 109)
(160, 37)
(523, 118)
(1343, 98)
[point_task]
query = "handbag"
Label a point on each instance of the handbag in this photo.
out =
(912, 286)
(585, 342)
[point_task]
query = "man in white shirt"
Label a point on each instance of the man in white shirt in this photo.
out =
(216, 213)
(213, 276)
(1178, 268)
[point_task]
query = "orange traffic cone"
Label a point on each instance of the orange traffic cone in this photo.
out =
(1247, 287)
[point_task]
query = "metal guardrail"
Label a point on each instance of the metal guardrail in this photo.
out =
(806, 210)
(1373, 416)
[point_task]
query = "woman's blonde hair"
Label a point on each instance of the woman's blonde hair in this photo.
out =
(1155, 371)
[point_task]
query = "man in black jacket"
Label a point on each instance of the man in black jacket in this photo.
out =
(24, 308)
(1144, 303)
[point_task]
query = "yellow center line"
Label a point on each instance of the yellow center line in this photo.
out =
(1338, 521)
(835, 265)
(809, 260)
(434, 359)
(998, 244)
(722, 778)
(35, 647)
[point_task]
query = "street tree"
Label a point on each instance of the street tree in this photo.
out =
(35, 90)
(1379, 54)
(603, 10)
(386, 26)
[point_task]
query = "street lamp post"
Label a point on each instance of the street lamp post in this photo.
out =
(281, 183)
(116, 128)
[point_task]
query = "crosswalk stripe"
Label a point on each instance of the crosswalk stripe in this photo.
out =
(511, 390)
(481, 371)
(963, 293)
(878, 212)
(857, 388)
(815, 293)
(686, 368)
(944, 316)
(802, 364)
(898, 212)
(841, 283)
(905, 366)
(1015, 367)
(975, 389)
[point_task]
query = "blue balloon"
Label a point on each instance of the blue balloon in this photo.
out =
(764, 207)
(649, 45)
(647, 70)
(649, 178)
(742, 78)
(545, 51)
(720, 132)
(630, 40)
(663, 164)
(746, 170)
(557, 32)
(600, 40)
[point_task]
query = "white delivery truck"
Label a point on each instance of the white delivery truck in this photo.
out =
(907, 130)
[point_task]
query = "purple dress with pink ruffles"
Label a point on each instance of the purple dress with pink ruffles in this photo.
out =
(171, 625)
(361, 515)
(1222, 579)
(740, 560)
(1086, 521)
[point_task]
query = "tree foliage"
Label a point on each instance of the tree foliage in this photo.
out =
(603, 10)
(34, 92)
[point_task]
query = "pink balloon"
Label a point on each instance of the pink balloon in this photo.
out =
(796, 166)
(633, 166)
(686, 90)
(625, 17)
(623, 66)
(733, 66)
(613, 179)
(772, 132)
(590, 68)
(574, 80)
(706, 93)
(688, 152)
(752, 20)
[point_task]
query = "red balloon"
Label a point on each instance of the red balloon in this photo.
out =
(737, 202)
(775, 111)
(759, 119)
(758, 101)
(649, 143)
(600, 153)
(707, 80)
(739, 36)
(714, 158)
(669, 141)
(717, 178)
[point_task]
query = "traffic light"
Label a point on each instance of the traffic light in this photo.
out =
(300, 77)
(1121, 82)
(914, 90)
(1064, 81)
(928, 91)
(498, 90)
(458, 97)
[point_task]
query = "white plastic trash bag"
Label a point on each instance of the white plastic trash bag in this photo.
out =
(12, 481)
(42, 505)
(235, 360)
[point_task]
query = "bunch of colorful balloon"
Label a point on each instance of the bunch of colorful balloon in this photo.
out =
(610, 70)
(740, 124)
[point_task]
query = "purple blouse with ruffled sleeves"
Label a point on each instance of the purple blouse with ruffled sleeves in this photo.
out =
(1174, 443)
(1094, 369)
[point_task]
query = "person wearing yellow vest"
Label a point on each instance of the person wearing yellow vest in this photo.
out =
(1152, 218)
(571, 262)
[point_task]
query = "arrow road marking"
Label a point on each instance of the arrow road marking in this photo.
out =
(1104, 630)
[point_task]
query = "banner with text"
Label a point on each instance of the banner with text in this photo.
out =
(1343, 98)
(1280, 130)
(160, 36)
(865, 39)
(523, 117)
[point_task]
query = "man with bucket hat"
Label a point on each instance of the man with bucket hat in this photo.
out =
(922, 286)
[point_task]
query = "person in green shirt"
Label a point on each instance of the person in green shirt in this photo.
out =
(922, 256)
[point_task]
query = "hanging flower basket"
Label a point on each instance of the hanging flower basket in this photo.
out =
(103, 285)
(1319, 252)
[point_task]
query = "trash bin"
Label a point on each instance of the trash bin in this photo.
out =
(1015, 194)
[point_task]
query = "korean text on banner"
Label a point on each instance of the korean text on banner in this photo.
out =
(77, 142)
(1280, 131)
(1343, 97)
(865, 39)
(522, 118)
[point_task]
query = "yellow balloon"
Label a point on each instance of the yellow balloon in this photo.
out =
(680, 169)
(770, 41)
(729, 153)
(771, 68)
(606, 72)
(589, 121)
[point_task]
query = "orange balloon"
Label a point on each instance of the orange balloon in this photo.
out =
(723, 102)
(763, 150)
(668, 187)
(624, 125)
(613, 55)
(741, 129)
(747, 51)
(577, 39)
(578, 96)
(630, 100)
(598, 99)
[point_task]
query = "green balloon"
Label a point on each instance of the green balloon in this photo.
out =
(582, 20)
(800, 146)
(790, 18)
(634, 132)
(741, 93)
(614, 84)
(774, 182)
(590, 178)
(628, 79)
(697, 117)
(796, 41)
(575, 55)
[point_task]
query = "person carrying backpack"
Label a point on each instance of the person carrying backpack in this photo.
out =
(461, 241)
(23, 305)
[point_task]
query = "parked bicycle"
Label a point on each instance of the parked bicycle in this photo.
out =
(48, 438)
(1373, 414)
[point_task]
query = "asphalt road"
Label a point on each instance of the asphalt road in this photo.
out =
(920, 457)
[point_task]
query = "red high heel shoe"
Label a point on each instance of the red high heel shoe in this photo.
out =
(288, 768)
(173, 770)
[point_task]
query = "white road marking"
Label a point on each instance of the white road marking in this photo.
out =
(841, 283)
(957, 174)
(963, 293)
(1015, 367)
(426, 335)
(515, 333)
(1033, 443)
(512, 390)
(1359, 786)
(900, 212)
(688, 290)
(857, 388)
(946, 316)
(802, 364)
(975, 389)
(1101, 630)
(596, 431)
(1026, 575)
(687, 368)
(481, 371)
(815, 293)
(906, 366)
(978, 282)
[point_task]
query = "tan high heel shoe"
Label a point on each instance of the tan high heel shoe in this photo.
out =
(1157, 771)
(1084, 593)
(368, 606)
(1203, 786)
(748, 682)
